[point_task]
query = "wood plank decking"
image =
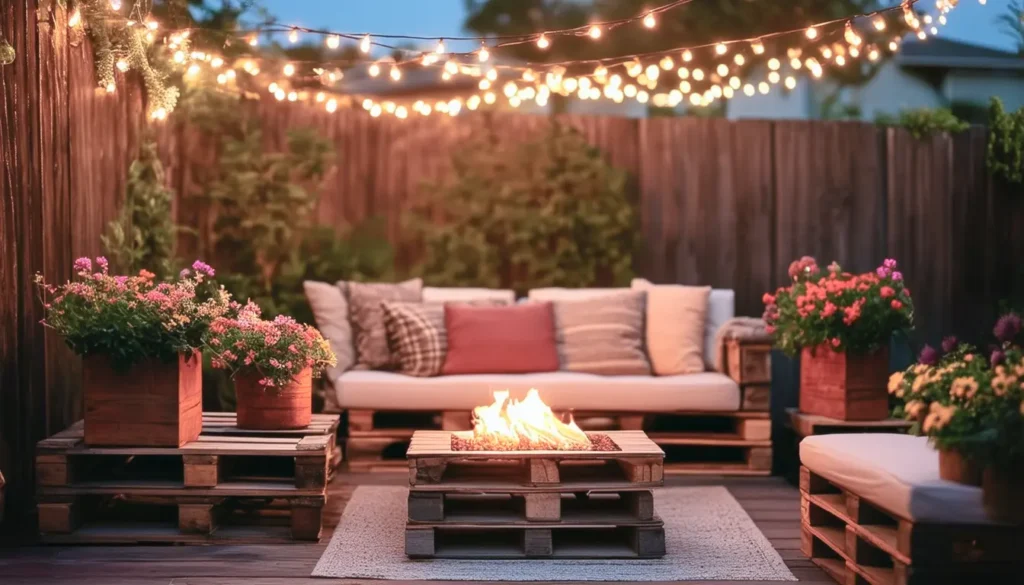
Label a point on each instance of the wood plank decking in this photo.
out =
(773, 504)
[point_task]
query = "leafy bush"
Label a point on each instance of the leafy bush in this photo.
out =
(1006, 143)
(143, 235)
(547, 211)
(924, 122)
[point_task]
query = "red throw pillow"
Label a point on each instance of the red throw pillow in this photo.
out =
(500, 340)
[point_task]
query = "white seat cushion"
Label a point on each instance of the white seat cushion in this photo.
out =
(704, 392)
(898, 473)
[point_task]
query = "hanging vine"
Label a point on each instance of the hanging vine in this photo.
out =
(128, 45)
(1006, 143)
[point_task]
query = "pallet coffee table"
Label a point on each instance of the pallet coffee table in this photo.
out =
(534, 503)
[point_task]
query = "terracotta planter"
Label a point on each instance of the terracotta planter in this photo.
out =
(154, 404)
(1001, 493)
(285, 407)
(844, 386)
(953, 466)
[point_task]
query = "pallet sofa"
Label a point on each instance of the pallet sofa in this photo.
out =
(874, 511)
(712, 422)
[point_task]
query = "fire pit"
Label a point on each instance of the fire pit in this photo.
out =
(525, 484)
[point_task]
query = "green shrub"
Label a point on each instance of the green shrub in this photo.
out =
(1006, 143)
(547, 211)
(924, 122)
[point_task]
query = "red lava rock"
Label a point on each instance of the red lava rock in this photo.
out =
(598, 442)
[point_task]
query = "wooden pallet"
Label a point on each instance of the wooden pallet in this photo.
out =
(536, 503)
(857, 543)
(750, 365)
(806, 425)
(225, 460)
(230, 485)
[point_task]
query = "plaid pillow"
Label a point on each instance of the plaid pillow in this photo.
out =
(416, 336)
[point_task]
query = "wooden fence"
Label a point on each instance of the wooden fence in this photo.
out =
(721, 203)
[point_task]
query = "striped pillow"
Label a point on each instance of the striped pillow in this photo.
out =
(416, 336)
(603, 335)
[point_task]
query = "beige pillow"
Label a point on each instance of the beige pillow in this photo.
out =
(367, 318)
(603, 335)
(330, 309)
(676, 317)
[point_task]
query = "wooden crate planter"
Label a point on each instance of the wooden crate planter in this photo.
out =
(154, 404)
(857, 542)
(844, 386)
(261, 486)
(286, 407)
(534, 504)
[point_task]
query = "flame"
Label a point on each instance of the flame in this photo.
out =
(506, 425)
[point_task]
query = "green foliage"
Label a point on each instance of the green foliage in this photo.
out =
(548, 211)
(1012, 23)
(1006, 143)
(143, 235)
(924, 123)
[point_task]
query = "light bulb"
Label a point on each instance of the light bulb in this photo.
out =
(484, 85)
(642, 96)
(812, 33)
(122, 65)
(489, 98)
(685, 87)
(873, 55)
(851, 35)
(795, 63)
(483, 54)
(293, 36)
(288, 70)
(695, 99)
(739, 59)
(757, 47)
(667, 63)
(652, 72)
(698, 74)
(367, 104)
(440, 48)
(152, 25)
(774, 64)
(115, 4)
(543, 42)
(253, 40)
(687, 56)
(111, 87)
(320, 97)
(492, 75)
(763, 87)
(748, 89)
(333, 41)
(374, 70)
(292, 96)
(401, 112)
(594, 32)
(722, 69)
(364, 44)
(332, 105)
(650, 21)
(451, 67)
(683, 73)
(721, 49)
(790, 82)
(376, 110)
(879, 23)
(774, 77)
(396, 73)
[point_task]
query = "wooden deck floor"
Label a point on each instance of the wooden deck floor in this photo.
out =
(773, 504)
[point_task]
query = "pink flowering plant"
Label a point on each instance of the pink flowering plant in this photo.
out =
(966, 400)
(275, 351)
(856, 313)
(130, 319)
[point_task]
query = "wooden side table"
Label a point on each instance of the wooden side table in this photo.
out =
(805, 425)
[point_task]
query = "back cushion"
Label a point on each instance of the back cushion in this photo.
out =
(603, 335)
(571, 294)
(433, 294)
(330, 309)
(721, 308)
(416, 336)
(367, 318)
(500, 340)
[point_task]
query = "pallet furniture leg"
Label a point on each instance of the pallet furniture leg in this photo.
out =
(757, 398)
(755, 429)
(426, 470)
(642, 470)
(197, 518)
(311, 472)
(426, 506)
(53, 470)
(360, 420)
(649, 542)
(58, 517)
(537, 542)
(543, 470)
(307, 518)
(640, 504)
(759, 458)
(201, 470)
(542, 507)
(419, 542)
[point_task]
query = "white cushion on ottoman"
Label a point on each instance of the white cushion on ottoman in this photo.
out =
(898, 473)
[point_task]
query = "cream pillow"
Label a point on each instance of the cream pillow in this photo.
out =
(675, 326)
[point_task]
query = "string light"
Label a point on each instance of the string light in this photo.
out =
(364, 44)
(483, 54)
(721, 49)
(879, 23)
(374, 70)
(253, 40)
(594, 32)
(293, 36)
(811, 32)
(288, 70)
(440, 48)
(543, 42)
(115, 4)
(332, 105)
(333, 41)
(739, 59)
(757, 47)
(75, 19)
(122, 65)
(396, 73)
(687, 56)
(790, 82)
(111, 87)
(774, 64)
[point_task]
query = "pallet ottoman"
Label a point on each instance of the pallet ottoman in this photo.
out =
(874, 511)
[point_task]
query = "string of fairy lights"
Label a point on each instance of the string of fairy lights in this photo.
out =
(698, 75)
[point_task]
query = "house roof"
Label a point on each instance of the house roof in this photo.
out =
(949, 54)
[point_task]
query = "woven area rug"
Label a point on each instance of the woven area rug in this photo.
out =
(708, 536)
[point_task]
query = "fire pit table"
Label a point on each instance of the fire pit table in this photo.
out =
(589, 498)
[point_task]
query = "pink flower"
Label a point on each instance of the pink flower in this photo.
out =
(896, 304)
(202, 268)
(83, 265)
(102, 262)
(769, 329)
(768, 299)
(835, 342)
(829, 310)
(897, 275)
(886, 292)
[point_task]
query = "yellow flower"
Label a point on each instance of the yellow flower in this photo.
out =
(938, 417)
(964, 388)
(920, 368)
(895, 382)
(913, 409)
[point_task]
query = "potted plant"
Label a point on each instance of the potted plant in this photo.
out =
(273, 364)
(840, 324)
(971, 408)
(140, 341)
